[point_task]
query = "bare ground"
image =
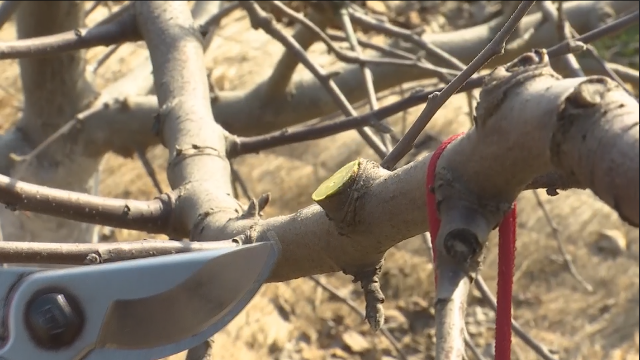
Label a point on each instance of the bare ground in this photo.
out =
(298, 320)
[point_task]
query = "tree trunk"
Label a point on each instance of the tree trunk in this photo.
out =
(55, 90)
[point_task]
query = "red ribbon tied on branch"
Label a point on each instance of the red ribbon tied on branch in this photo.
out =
(506, 256)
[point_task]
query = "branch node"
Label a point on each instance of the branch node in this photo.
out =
(92, 259)
(243, 239)
(538, 57)
(183, 153)
(504, 79)
(369, 280)
(463, 246)
(256, 206)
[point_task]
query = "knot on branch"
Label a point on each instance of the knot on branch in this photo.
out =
(575, 111)
(93, 259)
(369, 280)
(464, 247)
(255, 207)
(159, 121)
(538, 57)
(183, 153)
(466, 221)
(504, 79)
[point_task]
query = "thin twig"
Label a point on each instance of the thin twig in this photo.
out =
(426, 240)
(7, 9)
(93, 68)
(116, 28)
(24, 160)
(356, 309)
(334, 35)
(237, 179)
(247, 145)
(494, 48)
(563, 252)
(89, 254)
(606, 69)
(556, 16)
(366, 72)
(148, 168)
(403, 34)
(92, 8)
(260, 19)
(474, 349)
(607, 30)
(357, 58)
(213, 20)
(119, 27)
(150, 216)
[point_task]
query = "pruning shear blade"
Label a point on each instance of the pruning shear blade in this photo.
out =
(143, 309)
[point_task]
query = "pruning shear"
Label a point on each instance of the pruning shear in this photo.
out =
(143, 309)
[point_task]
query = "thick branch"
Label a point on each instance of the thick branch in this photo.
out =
(596, 141)
(547, 136)
(506, 168)
(245, 113)
(196, 143)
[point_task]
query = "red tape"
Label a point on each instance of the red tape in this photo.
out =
(506, 255)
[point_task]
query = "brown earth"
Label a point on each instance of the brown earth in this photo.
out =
(299, 320)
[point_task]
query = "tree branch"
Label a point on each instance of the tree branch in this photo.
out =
(119, 27)
(196, 143)
(495, 47)
(260, 19)
(150, 216)
(89, 254)
(278, 82)
(237, 111)
(325, 250)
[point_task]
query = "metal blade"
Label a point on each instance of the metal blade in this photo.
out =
(188, 308)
